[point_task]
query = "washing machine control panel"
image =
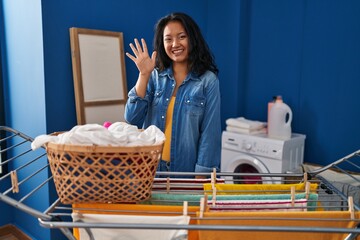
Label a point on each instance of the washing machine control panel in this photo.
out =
(254, 145)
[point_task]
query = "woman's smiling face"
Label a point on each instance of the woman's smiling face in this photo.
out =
(176, 42)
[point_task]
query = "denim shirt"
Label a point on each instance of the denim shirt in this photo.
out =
(196, 129)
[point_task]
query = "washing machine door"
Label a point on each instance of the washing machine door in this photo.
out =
(244, 163)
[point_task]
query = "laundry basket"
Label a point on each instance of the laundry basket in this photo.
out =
(103, 174)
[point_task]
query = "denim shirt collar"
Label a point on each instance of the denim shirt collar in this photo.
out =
(169, 73)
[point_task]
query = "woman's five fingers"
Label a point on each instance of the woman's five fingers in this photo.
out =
(141, 57)
(138, 51)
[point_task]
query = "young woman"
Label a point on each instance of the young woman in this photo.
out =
(178, 91)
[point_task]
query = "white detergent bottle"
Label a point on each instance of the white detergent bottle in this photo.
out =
(279, 123)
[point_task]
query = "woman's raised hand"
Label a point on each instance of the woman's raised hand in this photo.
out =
(141, 58)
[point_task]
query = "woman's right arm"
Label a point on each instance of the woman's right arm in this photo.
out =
(137, 103)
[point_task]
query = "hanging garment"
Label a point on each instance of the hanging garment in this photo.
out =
(234, 189)
(136, 210)
(260, 205)
(127, 233)
(194, 199)
(309, 220)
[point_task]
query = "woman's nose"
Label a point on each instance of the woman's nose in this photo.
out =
(175, 43)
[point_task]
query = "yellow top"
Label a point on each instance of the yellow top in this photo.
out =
(168, 127)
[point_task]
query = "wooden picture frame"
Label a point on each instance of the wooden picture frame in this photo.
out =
(98, 64)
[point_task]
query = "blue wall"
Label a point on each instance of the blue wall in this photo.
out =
(4, 209)
(24, 88)
(307, 51)
(112, 15)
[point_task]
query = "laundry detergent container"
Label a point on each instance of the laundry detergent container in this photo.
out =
(279, 123)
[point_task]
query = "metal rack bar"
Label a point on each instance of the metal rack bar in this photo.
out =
(196, 227)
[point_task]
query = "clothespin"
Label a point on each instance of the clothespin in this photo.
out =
(185, 208)
(167, 185)
(305, 177)
(213, 200)
(351, 207)
(202, 207)
(292, 196)
(14, 182)
(213, 180)
(213, 177)
(307, 190)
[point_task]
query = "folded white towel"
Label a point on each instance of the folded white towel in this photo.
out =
(134, 234)
(245, 130)
(241, 122)
(118, 134)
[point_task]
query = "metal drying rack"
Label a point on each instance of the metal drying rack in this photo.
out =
(17, 158)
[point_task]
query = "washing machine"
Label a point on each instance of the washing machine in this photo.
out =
(243, 153)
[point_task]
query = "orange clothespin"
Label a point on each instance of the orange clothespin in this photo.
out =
(14, 182)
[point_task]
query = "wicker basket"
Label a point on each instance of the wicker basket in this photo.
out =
(96, 174)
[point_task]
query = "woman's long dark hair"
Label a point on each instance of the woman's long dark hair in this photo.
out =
(200, 57)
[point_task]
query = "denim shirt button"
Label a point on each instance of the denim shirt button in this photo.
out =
(162, 117)
(188, 101)
(167, 99)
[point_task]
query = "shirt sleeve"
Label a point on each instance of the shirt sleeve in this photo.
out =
(135, 109)
(209, 152)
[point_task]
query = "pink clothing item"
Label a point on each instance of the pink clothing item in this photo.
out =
(107, 124)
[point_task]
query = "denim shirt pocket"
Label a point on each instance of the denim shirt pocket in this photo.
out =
(157, 97)
(194, 105)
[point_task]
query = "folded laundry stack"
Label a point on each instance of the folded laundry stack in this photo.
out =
(246, 126)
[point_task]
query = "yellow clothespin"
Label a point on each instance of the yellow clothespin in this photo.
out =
(14, 182)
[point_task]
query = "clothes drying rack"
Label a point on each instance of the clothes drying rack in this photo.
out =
(22, 167)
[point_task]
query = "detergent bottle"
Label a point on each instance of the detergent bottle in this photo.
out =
(279, 121)
(271, 103)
